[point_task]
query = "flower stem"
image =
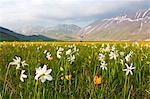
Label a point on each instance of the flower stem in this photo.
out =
(5, 80)
(35, 90)
(125, 87)
(43, 92)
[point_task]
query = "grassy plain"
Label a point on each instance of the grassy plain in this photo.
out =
(80, 70)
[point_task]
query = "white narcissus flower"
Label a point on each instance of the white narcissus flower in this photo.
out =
(70, 46)
(22, 76)
(122, 53)
(68, 52)
(58, 56)
(107, 49)
(17, 61)
(45, 51)
(23, 63)
(61, 49)
(43, 74)
(75, 49)
(71, 59)
(129, 69)
(59, 52)
(38, 70)
(48, 56)
(128, 57)
(101, 57)
(103, 65)
(113, 55)
(113, 48)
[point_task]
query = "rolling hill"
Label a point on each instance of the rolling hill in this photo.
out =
(9, 35)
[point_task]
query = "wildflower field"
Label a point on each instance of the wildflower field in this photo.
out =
(75, 70)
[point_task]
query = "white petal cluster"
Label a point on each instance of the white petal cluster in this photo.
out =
(49, 56)
(71, 53)
(45, 51)
(113, 55)
(121, 53)
(22, 75)
(71, 59)
(129, 69)
(128, 57)
(43, 74)
(59, 52)
(75, 49)
(107, 49)
(113, 48)
(39, 47)
(103, 65)
(17, 61)
(68, 52)
(101, 57)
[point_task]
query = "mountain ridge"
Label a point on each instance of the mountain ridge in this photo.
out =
(60, 31)
(137, 28)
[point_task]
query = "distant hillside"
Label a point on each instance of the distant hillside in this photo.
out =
(9, 35)
(61, 31)
(129, 27)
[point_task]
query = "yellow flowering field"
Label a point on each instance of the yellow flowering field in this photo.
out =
(74, 70)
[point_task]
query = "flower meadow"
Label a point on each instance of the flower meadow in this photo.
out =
(75, 70)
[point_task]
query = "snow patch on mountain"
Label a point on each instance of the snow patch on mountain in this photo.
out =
(135, 24)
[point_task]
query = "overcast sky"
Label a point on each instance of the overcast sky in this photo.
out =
(15, 13)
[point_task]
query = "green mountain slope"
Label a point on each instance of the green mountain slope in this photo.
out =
(8, 35)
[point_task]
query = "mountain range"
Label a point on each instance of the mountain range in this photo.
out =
(129, 27)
